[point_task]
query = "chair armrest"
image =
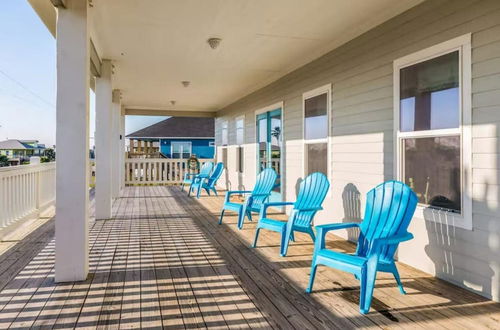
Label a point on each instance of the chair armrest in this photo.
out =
(396, 239)
(263, 208)
(321, 231)
(234, 192)
(261, 195)
(200, 177)
(187, 175)
(307, 209)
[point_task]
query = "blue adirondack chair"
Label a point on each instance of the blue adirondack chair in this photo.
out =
(389, 210)
(312, 193)
(208, 183)
(255, 198)
(205, 171)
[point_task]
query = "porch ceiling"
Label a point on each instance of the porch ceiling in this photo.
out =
(164, 43)
(156, 44)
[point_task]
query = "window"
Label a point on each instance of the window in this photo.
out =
(240, 131)
(224, 137)
(316, 129)
(181, 150)
(432, 104)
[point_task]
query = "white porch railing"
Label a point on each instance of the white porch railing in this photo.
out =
(25, 191)
(156, 171)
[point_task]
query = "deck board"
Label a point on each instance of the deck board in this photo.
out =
(164, 262)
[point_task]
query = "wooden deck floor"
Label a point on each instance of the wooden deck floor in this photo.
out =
(163, 261)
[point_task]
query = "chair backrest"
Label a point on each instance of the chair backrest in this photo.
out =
(389, 210)
(263, 186)
(215, 174)
(206, 169)
(312, 193)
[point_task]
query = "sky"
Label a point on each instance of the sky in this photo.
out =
(28, 79)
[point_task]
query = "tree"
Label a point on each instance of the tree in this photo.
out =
(50, 154)
(276, 132)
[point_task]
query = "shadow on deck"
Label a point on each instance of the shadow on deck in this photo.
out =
(163, 261)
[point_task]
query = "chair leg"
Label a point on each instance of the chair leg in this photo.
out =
(198, 192)
(241, 217)
(215, 191)
(312, 275)
(182, 186)
(256, 237)
(398, 279)
(249, 215)
(221, 216)
(292, 236)
(368, 276)
(190, 189)
(285, 240)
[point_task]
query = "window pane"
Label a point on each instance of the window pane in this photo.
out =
(176, 147)
(429, 94)
(262, 129)
(317, 158)
(224, 134)
(239, 131)
(432, 170)
(276, 140)
(316, 117)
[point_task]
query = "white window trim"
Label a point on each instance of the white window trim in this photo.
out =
(181, 142)
(307, 95)
(463, 45)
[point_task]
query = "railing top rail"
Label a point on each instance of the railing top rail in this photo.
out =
(27, 168)
(163, 160)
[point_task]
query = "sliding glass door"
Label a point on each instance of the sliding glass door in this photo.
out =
(269, 145)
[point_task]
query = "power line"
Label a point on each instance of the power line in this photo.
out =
(27, 89)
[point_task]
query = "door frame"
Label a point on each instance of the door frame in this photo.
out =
(271, 107)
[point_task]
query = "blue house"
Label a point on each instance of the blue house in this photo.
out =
(175, 137)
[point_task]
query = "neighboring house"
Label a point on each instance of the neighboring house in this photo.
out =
(175, 137)
(21, 150)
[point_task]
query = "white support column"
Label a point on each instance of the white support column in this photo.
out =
(72, 139)
(115, 144)
(103, 144)
(122, 149)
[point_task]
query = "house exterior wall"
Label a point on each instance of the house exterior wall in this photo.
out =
(361, 142)
(200, 147)
(14, 153)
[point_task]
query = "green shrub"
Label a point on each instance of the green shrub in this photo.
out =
(4, 161)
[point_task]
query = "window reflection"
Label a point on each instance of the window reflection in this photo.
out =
(316, 117)
(429, 94)
(432, 170)
(317, 156)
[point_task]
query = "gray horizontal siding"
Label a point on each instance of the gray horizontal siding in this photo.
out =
(361, 73)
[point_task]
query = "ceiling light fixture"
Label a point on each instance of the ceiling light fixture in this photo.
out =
(185, 83)
(214, 42)
(172, 102)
